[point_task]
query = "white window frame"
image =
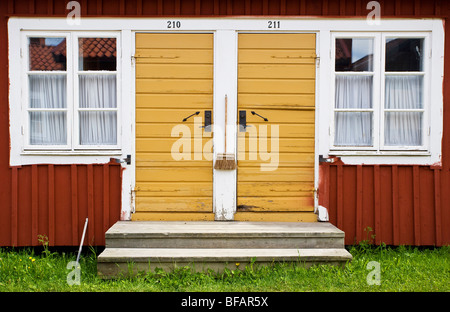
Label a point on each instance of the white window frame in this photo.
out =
(72, 73)
(425, 73)
(378, 93)
(77, 73)
(375, 90)
(25, 103)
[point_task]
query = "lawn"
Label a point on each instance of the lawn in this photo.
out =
(401, 269)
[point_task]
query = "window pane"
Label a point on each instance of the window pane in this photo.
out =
(353, 129)
(354, 54)
(47, 91)
(403, 92)
(404, 54)
(47, 53)
(98, 128)
(98, 91)
(97, 54)
(403, 128)
(48, 128)
(353, 91)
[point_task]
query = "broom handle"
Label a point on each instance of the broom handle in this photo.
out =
(226, 103)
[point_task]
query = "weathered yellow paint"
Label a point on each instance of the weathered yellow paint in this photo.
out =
(276, 86)
(293, 42)
(174, 79)
(276, 79)
(281, 71)
(283, 188)
(184, 101)
(174, 41)
(175, 189)
(172, 216)
(276, 216)
(173, 56)
(278, 101)
(196, 203)
(270, 56)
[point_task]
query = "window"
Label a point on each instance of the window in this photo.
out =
(380, 97)
(72, 92)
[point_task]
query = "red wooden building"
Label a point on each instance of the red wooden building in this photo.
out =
(389, 174)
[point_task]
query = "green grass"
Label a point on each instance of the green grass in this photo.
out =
(402, 269)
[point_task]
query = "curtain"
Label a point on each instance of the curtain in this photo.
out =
(353, 128)
(403, 128)
(98, 126)
(48, 92)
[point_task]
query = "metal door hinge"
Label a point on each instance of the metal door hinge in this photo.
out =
(126, 160)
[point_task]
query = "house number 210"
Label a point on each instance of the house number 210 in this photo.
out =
(173, 24)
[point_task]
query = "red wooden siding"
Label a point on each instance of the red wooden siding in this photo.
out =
(402, 204)
(55, 200)
(398, 205)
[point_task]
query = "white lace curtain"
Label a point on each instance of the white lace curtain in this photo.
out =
(402, 117)
(98, 125)
(353, 128)
(48, 123)
(403, 127)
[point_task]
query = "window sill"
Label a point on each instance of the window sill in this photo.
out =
(115, 152)
(379, 153)
(422, 158)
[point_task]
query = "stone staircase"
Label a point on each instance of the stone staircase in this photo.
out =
(133, 246)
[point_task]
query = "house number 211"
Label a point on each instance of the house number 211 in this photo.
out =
(273, 24)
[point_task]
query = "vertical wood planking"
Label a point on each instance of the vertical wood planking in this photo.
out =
(358, 8)
(106, 207)
(197, 7)
(14, 206)
(359, 203)
(416, 204)
(437, 207)
(34, 204)
(90, 185)
(84, 7)
(160, 7)
(283, 7)
(248, 7)
(10, 7)
(51, 205)
(342, 7)
(50, 7)
(74, 186)
(417, 8)
(303, 7)
(122, 7)
(395, 207)
(139, 7)
(99, 7)
(340, 197)
(377, 208)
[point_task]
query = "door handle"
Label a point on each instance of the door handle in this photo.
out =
(265, 119)
(196, 113)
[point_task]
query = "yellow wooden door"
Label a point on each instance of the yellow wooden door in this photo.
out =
(276, 81)
(174, 79)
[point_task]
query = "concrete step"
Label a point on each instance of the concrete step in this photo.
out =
(215, 234)
(116, 261)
